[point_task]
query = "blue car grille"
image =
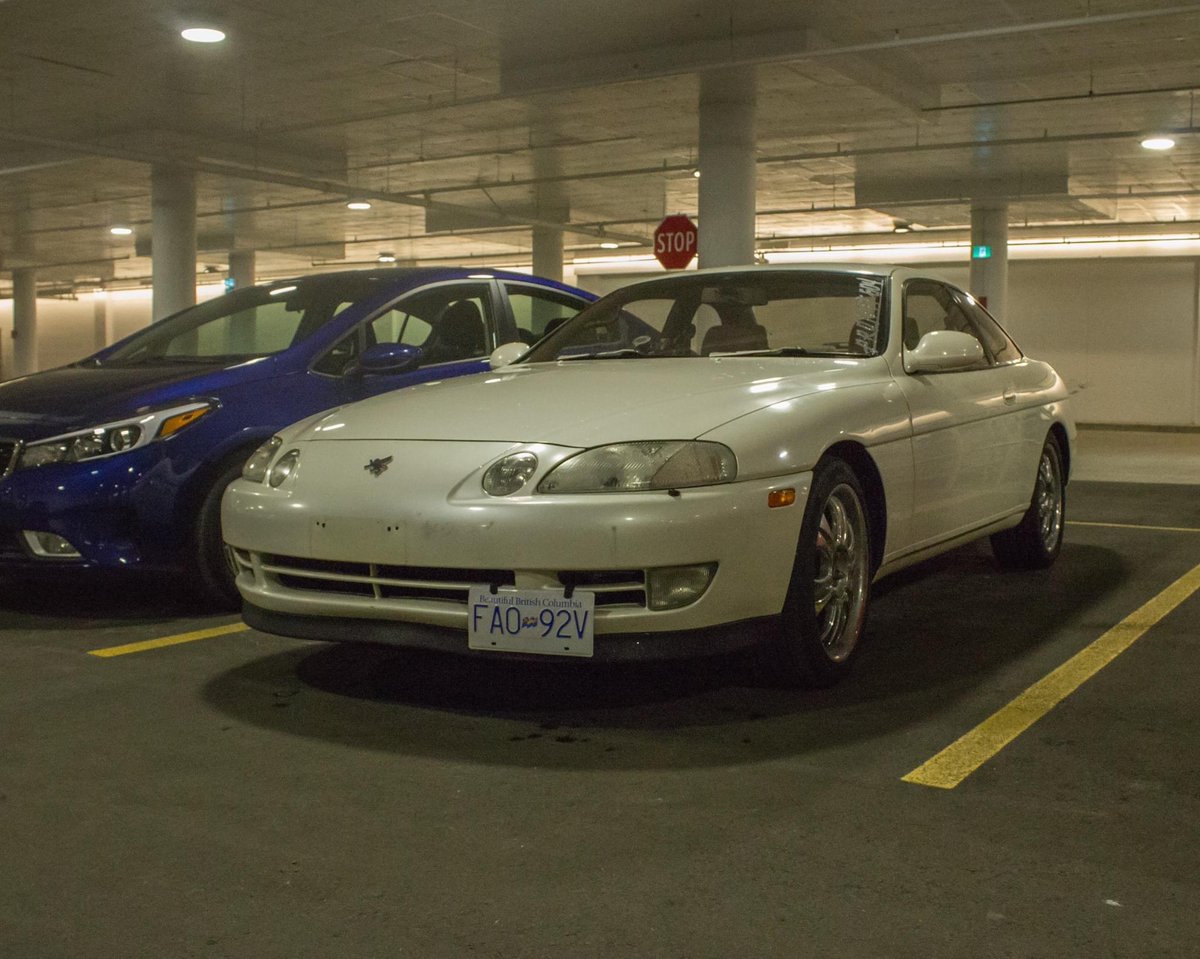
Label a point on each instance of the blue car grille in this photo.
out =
(10, 545)
(8, 456)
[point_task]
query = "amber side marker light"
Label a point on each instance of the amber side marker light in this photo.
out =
(781, 497)
(180, 420)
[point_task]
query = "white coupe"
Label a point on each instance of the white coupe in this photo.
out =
(694, 463)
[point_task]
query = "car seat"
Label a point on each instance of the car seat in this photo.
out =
(737, 331)
(458, 334)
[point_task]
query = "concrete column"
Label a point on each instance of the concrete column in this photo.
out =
(989, 274)
(727, 174)
(101, 330)
(548, 252)
(241, 268)
(24, 331)
(173, 249)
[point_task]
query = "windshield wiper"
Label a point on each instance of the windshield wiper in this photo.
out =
(624, 353)
(781, 351)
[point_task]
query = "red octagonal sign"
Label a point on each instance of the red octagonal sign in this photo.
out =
(675, 241)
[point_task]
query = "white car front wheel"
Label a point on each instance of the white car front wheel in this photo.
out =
(826, 607)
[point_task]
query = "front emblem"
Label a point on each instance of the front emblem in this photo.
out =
(378, 467)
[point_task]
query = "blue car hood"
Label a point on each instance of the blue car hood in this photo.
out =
(76, 397)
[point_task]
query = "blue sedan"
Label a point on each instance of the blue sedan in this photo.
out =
(119, 461)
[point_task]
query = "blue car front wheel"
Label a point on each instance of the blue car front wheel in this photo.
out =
(213, 563)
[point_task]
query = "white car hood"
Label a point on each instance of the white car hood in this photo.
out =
(590, 402)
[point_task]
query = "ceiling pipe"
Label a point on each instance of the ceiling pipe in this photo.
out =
(318, 184)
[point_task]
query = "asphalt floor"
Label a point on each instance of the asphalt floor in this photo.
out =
(242, 795)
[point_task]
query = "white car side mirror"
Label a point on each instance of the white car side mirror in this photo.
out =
(942, 351)
(506, 353)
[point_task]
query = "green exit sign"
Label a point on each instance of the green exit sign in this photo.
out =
(981, 252)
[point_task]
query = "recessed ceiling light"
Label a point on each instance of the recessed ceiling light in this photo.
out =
(387, 257)
(120, 231)
(202, 34)
(609, 245)
(358, 205)
(1158, 143)
(696, 173)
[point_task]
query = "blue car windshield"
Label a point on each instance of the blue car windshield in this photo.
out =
(252, 322)
(767, 312)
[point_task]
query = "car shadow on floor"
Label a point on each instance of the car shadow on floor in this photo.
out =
(936, 633)
(73, 600)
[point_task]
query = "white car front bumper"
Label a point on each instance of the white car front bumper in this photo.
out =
(357, 558)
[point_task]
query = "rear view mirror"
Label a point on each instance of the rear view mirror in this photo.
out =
(943, 351)
(506, 353)
(385, 358)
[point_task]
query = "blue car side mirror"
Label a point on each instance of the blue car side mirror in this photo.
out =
(385, 358)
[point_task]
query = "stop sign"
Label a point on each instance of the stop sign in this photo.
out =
(675, 241)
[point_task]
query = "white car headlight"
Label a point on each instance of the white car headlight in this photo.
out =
(255, 469)
(644, 465)
(110, 439)
(284, 467)
(509, 473)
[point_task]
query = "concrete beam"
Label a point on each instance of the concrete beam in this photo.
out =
(527, 77)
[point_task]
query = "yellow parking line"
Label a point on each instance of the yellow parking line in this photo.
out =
(961, 758)
(169, 640)
(1156, 529)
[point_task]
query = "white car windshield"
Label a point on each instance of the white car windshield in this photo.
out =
(784, 313)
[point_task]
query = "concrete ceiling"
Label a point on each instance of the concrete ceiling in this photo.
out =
(464, 121)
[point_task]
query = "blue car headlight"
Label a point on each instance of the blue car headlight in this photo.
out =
(110, 439)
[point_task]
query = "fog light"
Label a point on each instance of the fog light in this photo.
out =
(50, 545)
(672, 587)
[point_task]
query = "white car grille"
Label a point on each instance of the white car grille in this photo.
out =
(624, 587)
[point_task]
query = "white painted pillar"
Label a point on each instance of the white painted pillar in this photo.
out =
(989, 274)
(241, 268)
(727, 172)
(24, 330)
(548, 252)
(173, 247)
(101, 329)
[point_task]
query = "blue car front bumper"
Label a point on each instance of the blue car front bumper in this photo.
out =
(117, 512)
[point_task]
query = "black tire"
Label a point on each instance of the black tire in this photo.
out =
(214, 565)
(825, 611)
(1035, 542)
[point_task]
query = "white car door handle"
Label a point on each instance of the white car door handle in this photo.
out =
(1010, 397)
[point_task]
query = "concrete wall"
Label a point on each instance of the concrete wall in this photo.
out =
(1125, 332)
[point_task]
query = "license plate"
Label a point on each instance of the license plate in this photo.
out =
(542, 621)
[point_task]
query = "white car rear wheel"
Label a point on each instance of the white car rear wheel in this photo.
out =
(1035, 542)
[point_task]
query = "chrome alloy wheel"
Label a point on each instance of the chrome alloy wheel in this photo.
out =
(1048, 499)
(841, 572)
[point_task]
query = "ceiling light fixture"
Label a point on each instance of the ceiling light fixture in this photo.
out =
(120, 231)
(1157, 143)
(696, 173)
(900, 226)
(609, 245)
(358, 205)
(202, 34)
(386, 257)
